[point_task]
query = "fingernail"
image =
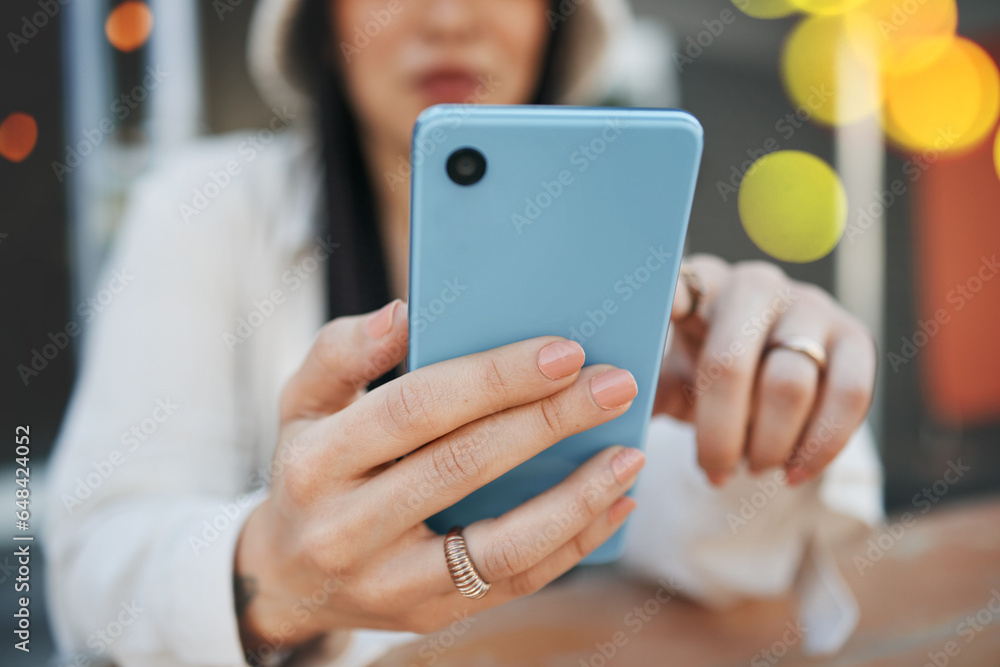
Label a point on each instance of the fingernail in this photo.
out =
(620, 509)
(613, 389)
(559, 359)
(797, 476)
(719, 478)
(380, 323)
(627, 463)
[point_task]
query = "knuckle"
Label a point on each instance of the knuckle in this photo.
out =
(588, 498)
(551, 419)
(327, 346)
(456, 462)
(855, 397)
(760, 271)
(493, 381)
(405, 406)
(763, 458)
(375, 600)
(786, 388)
(505, 557)
(324, 549)
(302, 483)
(815, 295)
(733, 375)
(527, 583)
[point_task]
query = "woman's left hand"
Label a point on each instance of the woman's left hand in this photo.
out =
(772, 405)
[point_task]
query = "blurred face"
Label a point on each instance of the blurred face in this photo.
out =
(401, 56)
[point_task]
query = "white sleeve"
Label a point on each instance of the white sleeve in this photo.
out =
(756, 537)
(149, 485)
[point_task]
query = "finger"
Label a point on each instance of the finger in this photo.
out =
(845, 398)
(568, 555)
(442, 608)
(727, 365)
(347, 355)
(427, 403)
(526, 535)
(447, 470)
(787, 384)
(711, 272)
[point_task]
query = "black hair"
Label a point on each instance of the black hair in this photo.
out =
(357, 280)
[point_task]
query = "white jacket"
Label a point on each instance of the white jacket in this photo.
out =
(168, 442)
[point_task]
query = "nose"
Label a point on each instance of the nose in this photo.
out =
(451, 20)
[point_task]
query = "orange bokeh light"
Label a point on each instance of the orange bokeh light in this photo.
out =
(128, 26)
(996, 154)
(18, 134)
(908, 36)
(950, 105)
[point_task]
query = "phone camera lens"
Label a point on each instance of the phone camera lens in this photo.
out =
(466, 166)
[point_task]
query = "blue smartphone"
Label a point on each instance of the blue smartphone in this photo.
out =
(542, 220)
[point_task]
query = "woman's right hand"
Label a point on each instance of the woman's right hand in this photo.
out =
(341, 542)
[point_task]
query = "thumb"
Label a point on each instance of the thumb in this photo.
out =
(347, 355)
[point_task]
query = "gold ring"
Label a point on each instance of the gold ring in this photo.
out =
(695, 287)
(467, 579)
(802, 345)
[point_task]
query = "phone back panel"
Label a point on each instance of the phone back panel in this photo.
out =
(576, 230)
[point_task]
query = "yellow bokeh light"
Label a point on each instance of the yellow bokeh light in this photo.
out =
(826, 7)
(950, 105)
(128, 25)
(18, 135)
(908, 36)
(828, 73)
(793, 206)
(766, 9)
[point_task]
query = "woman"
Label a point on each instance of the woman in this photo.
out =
(248, 501)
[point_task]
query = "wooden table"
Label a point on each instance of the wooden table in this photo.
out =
(915, 601)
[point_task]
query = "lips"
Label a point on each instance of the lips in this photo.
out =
(448, 86)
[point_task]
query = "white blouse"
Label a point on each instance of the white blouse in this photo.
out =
(168, 440)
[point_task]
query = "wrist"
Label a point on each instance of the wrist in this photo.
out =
(270, 610)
